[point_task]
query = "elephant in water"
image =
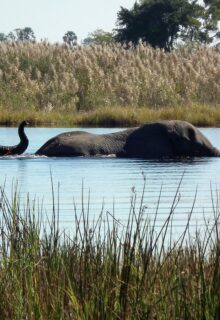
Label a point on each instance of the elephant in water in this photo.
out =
(81, 143)
(20, 147)
(155, 140)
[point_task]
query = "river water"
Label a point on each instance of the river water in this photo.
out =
(110, 183)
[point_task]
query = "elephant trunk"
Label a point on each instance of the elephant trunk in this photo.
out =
(20, 147)
(23, 144)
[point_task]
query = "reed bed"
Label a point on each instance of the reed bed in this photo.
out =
(41, 78)
(102, 269)
(112, 117)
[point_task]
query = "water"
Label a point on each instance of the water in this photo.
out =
(110, 183)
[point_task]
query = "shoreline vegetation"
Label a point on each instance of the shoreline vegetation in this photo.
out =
(200, 116)
(103, 269)
(107, 85)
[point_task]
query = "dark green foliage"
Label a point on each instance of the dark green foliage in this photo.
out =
(212, 16)
(3, 37)
(99, 37)
(161, 22)
(25, 34)
(11, 36)
(19, 34)
(206, 31)
(70, 38)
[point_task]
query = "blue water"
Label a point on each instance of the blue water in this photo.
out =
(109, 183)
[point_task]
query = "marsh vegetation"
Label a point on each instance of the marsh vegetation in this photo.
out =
(107, 84)
(105, 269)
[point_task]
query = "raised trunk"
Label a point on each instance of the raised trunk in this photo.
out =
(20, 147)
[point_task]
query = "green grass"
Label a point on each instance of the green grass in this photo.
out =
(207, 116)
(103, 269)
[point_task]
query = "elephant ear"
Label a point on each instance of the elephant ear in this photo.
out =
(149, 141)
(192, 134)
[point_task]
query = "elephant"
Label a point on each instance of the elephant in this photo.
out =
(161, 139)
(81, 143)
(20, 147)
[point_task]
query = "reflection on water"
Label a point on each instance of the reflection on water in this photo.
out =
(112, 182)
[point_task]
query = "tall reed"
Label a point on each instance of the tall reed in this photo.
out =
(103, 269)
(57, 78)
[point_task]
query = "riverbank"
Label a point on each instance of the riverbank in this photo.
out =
(103, 269)
(202, 116)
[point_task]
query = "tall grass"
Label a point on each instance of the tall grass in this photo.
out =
(112, 117)
(46, 78)
(103, 269)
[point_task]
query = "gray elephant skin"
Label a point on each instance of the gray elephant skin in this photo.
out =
(162, 139)
(18, 148)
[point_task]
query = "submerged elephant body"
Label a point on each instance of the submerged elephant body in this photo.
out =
(153, 140)
(81, 143)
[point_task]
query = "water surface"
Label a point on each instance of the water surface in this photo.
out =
(109, 182)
